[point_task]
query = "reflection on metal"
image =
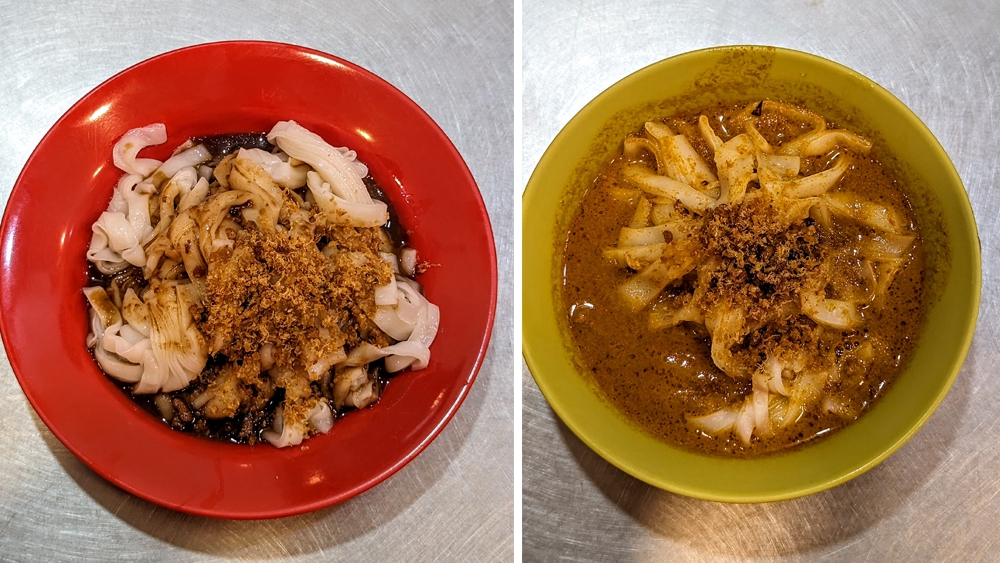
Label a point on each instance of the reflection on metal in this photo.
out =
(933, 500)
(455, 501)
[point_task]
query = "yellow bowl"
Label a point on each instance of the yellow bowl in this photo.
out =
(696, 79)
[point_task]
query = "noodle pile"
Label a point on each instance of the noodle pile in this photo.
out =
(778, 267)
(233, 278)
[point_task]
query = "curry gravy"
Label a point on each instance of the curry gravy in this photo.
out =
(660, 378)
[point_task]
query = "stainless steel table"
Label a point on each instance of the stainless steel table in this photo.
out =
(454, 502)
(936, 499)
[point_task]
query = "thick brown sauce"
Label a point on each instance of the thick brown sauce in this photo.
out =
(658, 378)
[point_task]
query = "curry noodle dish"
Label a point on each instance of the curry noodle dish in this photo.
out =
(252, 286)
(744, 278)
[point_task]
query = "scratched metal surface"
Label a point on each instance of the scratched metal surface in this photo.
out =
(454, 502)
(936, 498)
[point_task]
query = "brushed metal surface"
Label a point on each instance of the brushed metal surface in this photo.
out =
(454, 502)
(936, 499)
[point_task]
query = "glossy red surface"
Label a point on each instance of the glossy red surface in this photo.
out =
(219, 88)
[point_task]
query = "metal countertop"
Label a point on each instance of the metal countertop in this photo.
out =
(454, 502)
(933, 500)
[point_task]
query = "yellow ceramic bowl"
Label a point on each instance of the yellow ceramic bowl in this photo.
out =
(729, 74)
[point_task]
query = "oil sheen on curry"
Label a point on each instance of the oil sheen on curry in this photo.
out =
(744, 279)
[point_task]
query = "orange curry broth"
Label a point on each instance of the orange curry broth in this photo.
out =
(659, 378)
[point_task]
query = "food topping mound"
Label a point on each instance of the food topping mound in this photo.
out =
(255, 293)
(771, 269)
(762, 262)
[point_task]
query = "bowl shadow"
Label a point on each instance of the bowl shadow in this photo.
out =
(293, 535)
(791, 527)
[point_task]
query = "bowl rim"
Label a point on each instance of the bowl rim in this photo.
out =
(536, 343)
(461, 383)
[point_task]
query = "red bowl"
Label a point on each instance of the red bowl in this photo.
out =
(221, 88)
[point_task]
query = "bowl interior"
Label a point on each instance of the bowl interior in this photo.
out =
(696, 79)
(220, 88)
